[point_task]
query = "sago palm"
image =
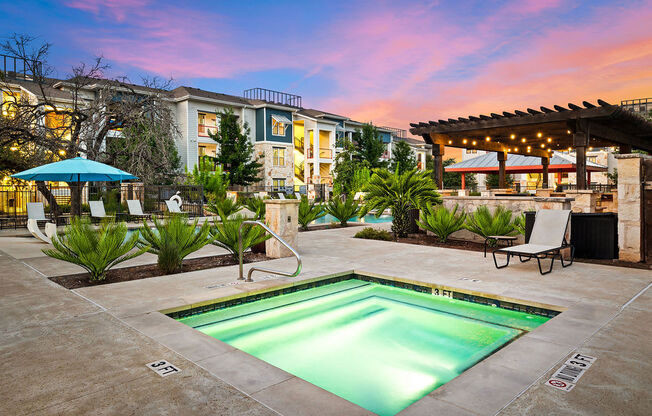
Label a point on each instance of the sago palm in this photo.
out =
(400, 192)
(173, 239)
(342, 209)
(309, 212)
(96, 250)
(441, 221)
(257, 206)
(224, 207)
(225, 234)
(485, 223)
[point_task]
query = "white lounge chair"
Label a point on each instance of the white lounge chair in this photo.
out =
(297, 195)
(281, 195)
(50, 230)
(32, 226)
(97, 210)
(136, 210)
(173, 207)
(35, 211)
(547, 239)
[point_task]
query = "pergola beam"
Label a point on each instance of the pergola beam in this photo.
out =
(443, 139)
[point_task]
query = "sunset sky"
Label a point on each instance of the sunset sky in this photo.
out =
(390, 62)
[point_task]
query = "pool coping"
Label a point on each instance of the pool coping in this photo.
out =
(501, 373)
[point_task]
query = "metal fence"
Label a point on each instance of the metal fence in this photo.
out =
(14, 199)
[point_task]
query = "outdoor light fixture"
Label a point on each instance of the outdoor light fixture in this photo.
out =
(569, 149)
(513, 136)
(568, 132)
(539, 134)
(549, 140)
(474, 143)
(516, 149)
(464, 141)
(13, 148)
(509, 149)
(523, 140)
(590, 148)
(450, 142)
(543, 145)
(62, 152)
(548, 150)
(487, 138)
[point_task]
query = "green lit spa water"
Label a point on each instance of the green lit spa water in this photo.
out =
(380, 347)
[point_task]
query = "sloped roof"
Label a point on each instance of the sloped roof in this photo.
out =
(489, 163)
(197, 92)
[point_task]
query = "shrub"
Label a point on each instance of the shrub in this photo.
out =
(342, 209)
(519, 224)
(96, 250)
(257, 206)
(441, 221)
(475, 193)
(373, 234)
(483, 223)
(173, 239)
(224, 207)
(308, 212)
(401, 192)
(225, 234)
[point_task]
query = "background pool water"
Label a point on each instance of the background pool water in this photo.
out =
(369, 219)
(377, 346)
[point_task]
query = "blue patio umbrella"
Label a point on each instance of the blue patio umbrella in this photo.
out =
(75, 170)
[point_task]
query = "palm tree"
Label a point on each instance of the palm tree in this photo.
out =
(400, 192)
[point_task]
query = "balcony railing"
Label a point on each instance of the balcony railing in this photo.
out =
(19, 68)
(324, 153)
(205, 129)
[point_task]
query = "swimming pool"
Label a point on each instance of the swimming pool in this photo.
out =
(368, 219)
(380, 347)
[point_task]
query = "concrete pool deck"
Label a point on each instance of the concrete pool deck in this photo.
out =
(84, 351)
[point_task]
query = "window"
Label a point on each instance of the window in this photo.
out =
(592, 159)
(278, 185)
(470, 151)
(279, 156)
(206, 124)
(278, 128)
(9, 101)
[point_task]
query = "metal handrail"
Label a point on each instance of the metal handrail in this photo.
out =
(262, 269)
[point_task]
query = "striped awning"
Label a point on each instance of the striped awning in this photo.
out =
(281, 119)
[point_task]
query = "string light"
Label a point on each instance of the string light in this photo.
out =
(543, 145)
(474, 143)
(450, 142)
(464, 141)
(516, 149)
(62, 152)
(549, 140)
(513, 136)
(539, 134)
(568, 132)
(523, 140)
(590, 148)
(488, 138)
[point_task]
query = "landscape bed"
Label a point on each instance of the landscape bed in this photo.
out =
(378, 342)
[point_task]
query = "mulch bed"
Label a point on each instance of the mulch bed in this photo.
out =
(75, 281)
(330, 226)
(428, 240)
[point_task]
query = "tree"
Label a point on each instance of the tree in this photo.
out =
(80, 115)
(453, 180)
(403, 158)
(347, 168)
(211, 178)
(491, 181)
(235, 150)
(369, 146)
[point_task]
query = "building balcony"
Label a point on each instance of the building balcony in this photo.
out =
(205, 129)
(324, 153)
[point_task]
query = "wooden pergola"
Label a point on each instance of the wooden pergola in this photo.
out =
(539, 133)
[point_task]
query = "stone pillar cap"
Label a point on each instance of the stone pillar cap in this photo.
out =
(281, 201)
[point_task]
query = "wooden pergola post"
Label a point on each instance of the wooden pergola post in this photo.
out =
(580, 142)
(625, 149)
(502, 158)
(438, 161)
(545, 162)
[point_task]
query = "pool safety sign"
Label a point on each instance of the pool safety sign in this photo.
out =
(567, 375)
(163, 368)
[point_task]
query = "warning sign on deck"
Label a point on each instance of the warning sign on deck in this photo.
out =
(570, 372)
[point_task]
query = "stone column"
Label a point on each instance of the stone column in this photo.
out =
(282, 216)
(438, 161)
(630, 188)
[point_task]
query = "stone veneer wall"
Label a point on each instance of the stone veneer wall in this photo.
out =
(282, 216)
(271, 172)
(517, 205)
(630, 186)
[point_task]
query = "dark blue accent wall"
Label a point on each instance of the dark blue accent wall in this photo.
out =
(268, 125)
(260, 124)
(385, 137)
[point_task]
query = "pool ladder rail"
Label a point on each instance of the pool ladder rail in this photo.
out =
(262, 269)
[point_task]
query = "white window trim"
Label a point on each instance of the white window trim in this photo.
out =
(280, 126)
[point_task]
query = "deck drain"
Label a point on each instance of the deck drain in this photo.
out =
(240, 282)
